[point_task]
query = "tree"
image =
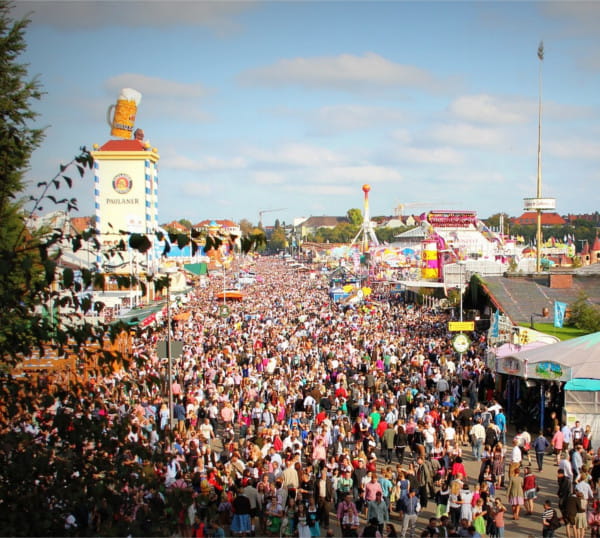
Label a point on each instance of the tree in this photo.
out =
(388, 235)
(185, 222)
(27, 261)
(44, 479)
(246, 227)
(355, 216)
(494, 220)
(18, 139)
(584, 315)
(278, 240)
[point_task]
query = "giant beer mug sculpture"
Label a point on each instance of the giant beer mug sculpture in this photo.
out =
(122, 121)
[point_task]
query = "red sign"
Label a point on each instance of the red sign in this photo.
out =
(452, 219)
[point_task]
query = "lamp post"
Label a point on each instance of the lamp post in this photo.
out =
(538, 235)
(169, 271)
(461, 264)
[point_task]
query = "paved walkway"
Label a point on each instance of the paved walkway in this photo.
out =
(526, 526)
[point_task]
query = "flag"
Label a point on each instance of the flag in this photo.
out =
(496, 324)
(559, 313)
(541, 50)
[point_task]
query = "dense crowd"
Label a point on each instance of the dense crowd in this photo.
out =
(293, 416)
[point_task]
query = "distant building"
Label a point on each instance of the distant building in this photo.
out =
(80, 224)
(399, 222)
(588, 217)
(529, 218)
(223, 226)
(312, 224)
(176, 226)
(591, 255)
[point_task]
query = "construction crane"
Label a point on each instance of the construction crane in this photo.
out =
(399, 209)
(263, 211)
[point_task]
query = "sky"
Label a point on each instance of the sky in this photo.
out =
(291, 107)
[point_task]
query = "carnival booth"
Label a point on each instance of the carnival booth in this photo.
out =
(572, 367)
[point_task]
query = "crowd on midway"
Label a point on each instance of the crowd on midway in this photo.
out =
(293, 416)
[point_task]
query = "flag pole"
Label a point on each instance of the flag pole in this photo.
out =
(538, 257)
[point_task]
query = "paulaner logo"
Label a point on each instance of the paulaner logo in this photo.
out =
(122, 183)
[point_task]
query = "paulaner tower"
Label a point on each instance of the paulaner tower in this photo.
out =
(126, 200)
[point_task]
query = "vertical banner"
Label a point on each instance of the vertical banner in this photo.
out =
(559, 313)
(496, 324)
(356, 260)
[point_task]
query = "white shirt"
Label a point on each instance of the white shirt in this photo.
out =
(517, 457)
(449, 433)
(585, 488)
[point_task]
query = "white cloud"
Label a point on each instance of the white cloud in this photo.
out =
(155, 87)
(346, 71)
(268, 178)
(361, 173)
(443, 155)
(492, 110)
(324, 190)
(343, 118)
(85, 14)
(174, 160)
(573, 148)
(577, 18)
(464, 134)
(196, 188)
(402, 136)
(294, 154)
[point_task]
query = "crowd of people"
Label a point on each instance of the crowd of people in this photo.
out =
(293, 416)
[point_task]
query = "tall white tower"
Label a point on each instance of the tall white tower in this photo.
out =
(126, 200)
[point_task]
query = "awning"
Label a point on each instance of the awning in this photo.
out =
(139, 315)
(583, 385)
(197, 269)
(571, 359)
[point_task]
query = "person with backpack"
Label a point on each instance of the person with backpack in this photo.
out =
(550, 520)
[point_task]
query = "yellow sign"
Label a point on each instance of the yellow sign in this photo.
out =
(461, 325)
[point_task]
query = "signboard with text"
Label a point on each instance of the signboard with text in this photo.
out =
(461, 326)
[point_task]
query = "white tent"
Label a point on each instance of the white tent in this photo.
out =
(577, 362)
(571, 359)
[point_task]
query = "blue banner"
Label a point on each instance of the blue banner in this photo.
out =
(496, 324)
(559, 313)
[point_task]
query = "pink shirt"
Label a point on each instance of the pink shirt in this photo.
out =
(558, 440)
(371, 488)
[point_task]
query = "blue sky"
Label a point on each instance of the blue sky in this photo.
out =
(296, 105)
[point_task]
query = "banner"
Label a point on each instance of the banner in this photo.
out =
(495, 324)
(559, 313)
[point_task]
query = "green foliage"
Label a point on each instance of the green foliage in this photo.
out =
(186, 223)
(342, 233)
(562, 333)
(494, 220)
(355, 216)
(18, 137)
(454, 297)
(246, 227)
(278, 240)
(44, 305)
(388, 235)
(584, 315)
